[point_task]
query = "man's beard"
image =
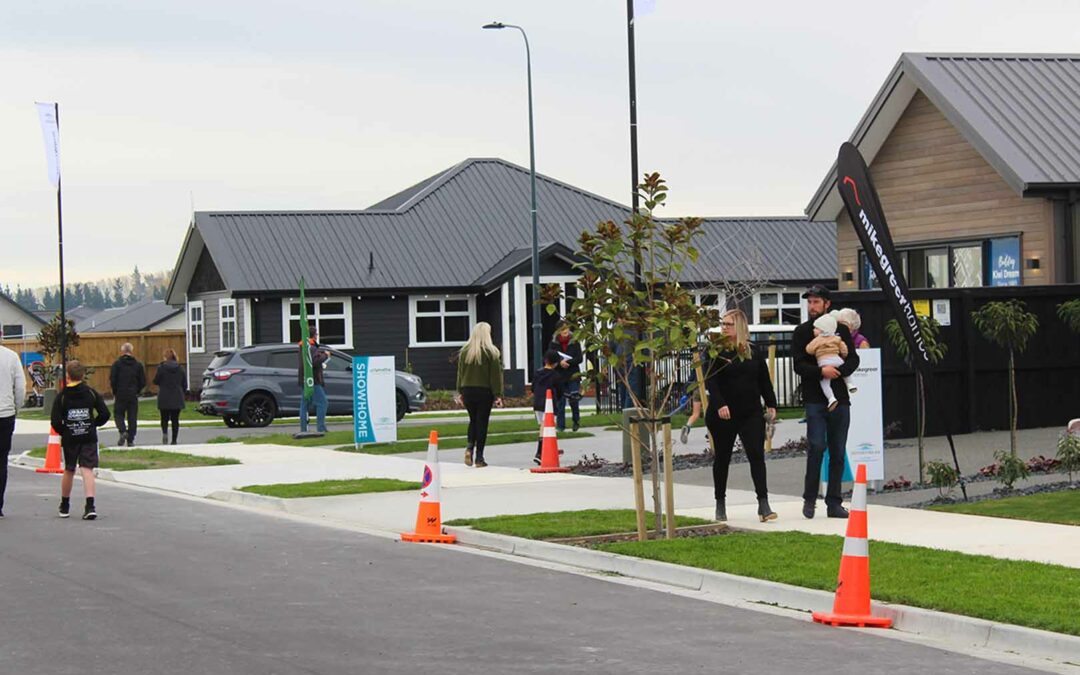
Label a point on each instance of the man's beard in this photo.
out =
(814, 314)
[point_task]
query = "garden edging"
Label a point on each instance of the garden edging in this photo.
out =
(954, 629)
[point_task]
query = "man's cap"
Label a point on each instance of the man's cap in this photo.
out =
(817, 291)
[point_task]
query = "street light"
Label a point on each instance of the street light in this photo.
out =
(537, 329)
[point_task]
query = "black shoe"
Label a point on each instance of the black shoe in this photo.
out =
(836, 512)
(131, 441)
(122, 442)
(174, 441)
(721, 511)
(808, 509)
(1, 515)
(576, 426)
(536, 460)
(90, 513)
(764, 511)
(480, 463)
(164, 438)
(65, 509)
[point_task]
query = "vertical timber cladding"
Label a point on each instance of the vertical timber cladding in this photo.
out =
(935, 186)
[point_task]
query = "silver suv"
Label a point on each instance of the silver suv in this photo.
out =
(251, 386)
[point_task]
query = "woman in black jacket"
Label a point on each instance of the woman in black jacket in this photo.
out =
(171, 381)
(570, 369)
(737, 380)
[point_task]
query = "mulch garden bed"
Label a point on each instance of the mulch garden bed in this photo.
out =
(998, 493)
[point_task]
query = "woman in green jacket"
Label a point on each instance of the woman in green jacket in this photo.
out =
(480, 386)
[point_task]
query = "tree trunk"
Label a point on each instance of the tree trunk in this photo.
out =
(1013, 413)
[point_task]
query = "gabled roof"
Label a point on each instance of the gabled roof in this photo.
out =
(32, 318)
(450, 231)
(142, 315)
(521, 258)
(1021, 112)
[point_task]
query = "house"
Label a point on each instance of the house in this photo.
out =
(976, 158)
(411, 275)
(17, 321)
(145, 315)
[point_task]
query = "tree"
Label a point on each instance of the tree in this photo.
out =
(630, 325)
(117, 293)
(1008, 324)
(49, 342)
(49, 300)
(1069, 313)
(929, 329)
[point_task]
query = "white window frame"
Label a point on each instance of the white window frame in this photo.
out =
(721, 299)
(758, 326)
(192, 324)
(442, 314)
(316, 318)
(222, 304)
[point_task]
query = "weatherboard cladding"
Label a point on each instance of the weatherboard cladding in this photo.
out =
(453, 231)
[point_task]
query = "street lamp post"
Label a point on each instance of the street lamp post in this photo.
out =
(537, 328)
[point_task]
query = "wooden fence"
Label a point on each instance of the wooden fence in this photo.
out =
(99, 350)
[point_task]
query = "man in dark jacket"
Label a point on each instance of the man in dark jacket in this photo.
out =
(76, 415)
(319, 356)
(824, 429)
(127, 377)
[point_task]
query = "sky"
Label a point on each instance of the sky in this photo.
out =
(262, 104)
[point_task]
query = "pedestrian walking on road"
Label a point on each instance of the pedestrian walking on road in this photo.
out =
(171, 381)
(570, 366)
(825, 428)
(737, 380)
(127, 378)
(76, 415)
(12, 395)
(480, 386)
(319, 357)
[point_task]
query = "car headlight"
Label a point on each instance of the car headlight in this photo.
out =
(412, 378)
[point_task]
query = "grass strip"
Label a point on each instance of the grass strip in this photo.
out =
(330, 488)
(138, 459)
(453, 443)
(567, 523)
(1047, 507)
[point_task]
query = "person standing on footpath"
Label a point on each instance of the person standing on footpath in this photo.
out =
(127, 378)
(319, 357)
(76, 415)
(480, 386)
(570, 367)
(737, 380)
(171, 381)
(824, 428)
(12, 395)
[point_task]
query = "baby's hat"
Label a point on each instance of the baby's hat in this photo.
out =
(826, 324)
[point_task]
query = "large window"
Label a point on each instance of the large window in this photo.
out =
(12, 330)
(332, 317)
(196, 329)
(777, 307)
(435, 322)
(227, 323)
(951, 265)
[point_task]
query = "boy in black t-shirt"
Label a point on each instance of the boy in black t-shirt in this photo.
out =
(76, 416)
(544, 379)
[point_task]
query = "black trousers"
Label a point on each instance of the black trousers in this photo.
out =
(478, 401)
(751, 430)
(7, 428)
(126, 412)
(170, 417)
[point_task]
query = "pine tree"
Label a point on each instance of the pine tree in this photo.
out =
(117, 293)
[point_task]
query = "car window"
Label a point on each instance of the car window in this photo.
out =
(284, 359)
(220, 359)
(338, 363)
(257, 359)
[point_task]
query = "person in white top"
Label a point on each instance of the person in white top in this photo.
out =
(12, 395)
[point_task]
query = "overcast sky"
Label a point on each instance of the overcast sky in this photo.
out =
(336, 104)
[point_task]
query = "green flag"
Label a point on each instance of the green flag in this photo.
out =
(305, 347)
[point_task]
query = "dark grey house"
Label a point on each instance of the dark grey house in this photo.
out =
(411, 275)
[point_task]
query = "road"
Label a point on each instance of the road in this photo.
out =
(161, 584)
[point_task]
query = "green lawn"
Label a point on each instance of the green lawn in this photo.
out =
(567, 523)
(138, 459)
(1048, 507)
(452, 443)
(330, 488)
(148, 410)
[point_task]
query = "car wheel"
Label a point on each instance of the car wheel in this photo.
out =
(231, 421)
(402, 405)
(258, 409)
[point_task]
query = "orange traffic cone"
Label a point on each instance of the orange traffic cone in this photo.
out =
(52, 454)
(549, 450)
(429, 517)
(852, 604)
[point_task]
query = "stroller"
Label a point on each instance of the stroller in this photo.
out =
(36, 399)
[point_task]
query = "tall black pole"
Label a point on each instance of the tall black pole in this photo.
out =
(537, 326)
(60, 245)
(638, 370)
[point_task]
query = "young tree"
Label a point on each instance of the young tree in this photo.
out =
(1008, 324)
(1069, 313)
(930, 329)
(49, 343)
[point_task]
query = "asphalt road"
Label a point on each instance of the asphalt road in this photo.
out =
(163, 585)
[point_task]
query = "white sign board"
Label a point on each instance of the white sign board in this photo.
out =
(374, 400)
(865, 441)
(942, 312)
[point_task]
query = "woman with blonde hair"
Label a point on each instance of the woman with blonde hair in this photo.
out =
(737, 380)
(480, 386)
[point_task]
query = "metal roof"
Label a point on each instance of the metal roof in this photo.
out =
(453, 230)
(1021, 112)
(140, 316)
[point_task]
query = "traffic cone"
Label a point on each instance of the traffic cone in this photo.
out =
(852, 604)
(428, 516)
(53, 462)
(549, 451)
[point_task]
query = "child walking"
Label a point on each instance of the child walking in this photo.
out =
(76, 415)
(544, 379)
(829, 350)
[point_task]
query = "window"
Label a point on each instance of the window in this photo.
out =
(227, 323)
(953, 265)
(332, 317)
(285, 360)
(196, 333)
(338, 364)
(967, 266)
(441, 321)
(12, 330)
(778, 307)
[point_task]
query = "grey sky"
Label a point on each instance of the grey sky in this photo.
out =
(337, 104)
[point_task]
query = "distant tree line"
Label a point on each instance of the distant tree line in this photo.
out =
(117, 292)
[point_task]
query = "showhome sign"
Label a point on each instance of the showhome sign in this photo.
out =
(374, 400)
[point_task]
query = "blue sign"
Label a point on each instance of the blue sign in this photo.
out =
(1005, 261)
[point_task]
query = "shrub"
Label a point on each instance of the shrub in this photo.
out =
(1068, 453)
(900, 483)
(1042, 464)
(1010, 468)
(942, 476)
